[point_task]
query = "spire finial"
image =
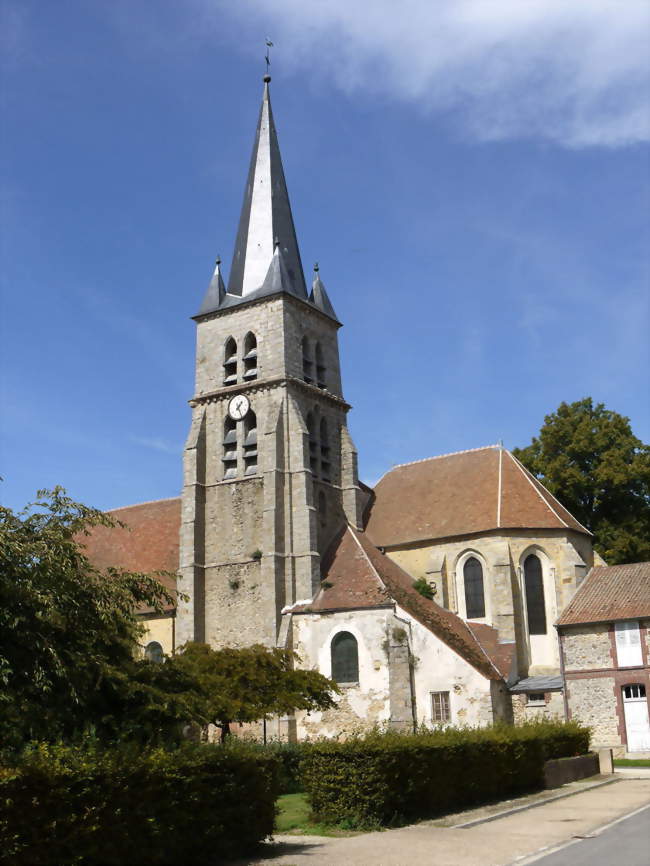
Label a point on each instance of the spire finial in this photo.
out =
(267, 58)
(218, 261)
(316, 268)
(276, 242)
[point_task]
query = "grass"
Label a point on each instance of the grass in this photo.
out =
(294, 819)
(632, 762)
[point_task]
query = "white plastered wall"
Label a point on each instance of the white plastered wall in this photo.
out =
(362, 705)
(438, 668)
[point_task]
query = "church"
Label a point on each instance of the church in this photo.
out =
(274, 539)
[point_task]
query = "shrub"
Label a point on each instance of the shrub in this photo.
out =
(384, 778)
(423, 586)
(64, 806)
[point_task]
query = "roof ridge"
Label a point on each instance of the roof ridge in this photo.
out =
(137, 504)
(480, 645)
(367, 558)
(529, 476)
(525, 473)
(441, 456)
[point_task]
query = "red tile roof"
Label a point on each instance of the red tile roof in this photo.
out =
(362, 577)
(611, 592)
(460, 494)
(148, 543)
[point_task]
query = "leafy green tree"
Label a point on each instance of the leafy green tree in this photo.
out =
(68, 633)
(246, 685)
(588, 457)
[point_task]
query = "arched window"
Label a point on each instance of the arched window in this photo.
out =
(313, 444)
(230, 362)
(229, 458)
(250, 444)
(250, 356)
(474, 590)
(345, 658)
(307, 364)
(153, 652)
(324, 451)
(534, 586)
(320, 366)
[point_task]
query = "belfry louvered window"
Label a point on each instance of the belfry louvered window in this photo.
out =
(250, 444)
(320, 366)
(230, 362)
(250, 357)
(307, 363)
(535, 602)
(474, 589)
(229, 458)
(313, 443)
(325, 466)
(345, 658)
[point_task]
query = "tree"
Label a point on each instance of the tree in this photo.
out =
(588, 457)
(68, 633)
(246, 685)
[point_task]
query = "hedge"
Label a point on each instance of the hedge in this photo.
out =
(196, 805)
(389, 778)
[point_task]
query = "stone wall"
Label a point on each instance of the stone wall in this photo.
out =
(565, 556)
(587, 647)
(363, 704)
(593, 701)
(553, 708)
(437, 668)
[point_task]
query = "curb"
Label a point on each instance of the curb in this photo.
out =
(476, 821)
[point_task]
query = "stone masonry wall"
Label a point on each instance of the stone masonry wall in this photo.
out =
(592, 701)
(587, 648)
(565, 557)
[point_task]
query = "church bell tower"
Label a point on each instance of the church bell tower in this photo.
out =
(270, 471)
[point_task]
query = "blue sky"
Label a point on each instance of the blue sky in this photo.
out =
(472, 177)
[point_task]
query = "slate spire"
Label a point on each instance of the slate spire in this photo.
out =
(265, 215)
(319, 296)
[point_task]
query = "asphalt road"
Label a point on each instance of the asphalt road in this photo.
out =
(626, 843)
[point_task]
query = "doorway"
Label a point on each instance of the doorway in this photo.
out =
(637, 725)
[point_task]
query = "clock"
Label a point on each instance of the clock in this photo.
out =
(238, 407)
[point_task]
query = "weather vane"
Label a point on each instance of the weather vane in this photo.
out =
(267, 57)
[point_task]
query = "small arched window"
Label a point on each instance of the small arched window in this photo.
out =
(307, 363)
(229, 458)
(535, 603)
(474, 589)
(320, 366)
(250, 356)
(345, 658)
(250, 444)
(153, 652)
(230, 362)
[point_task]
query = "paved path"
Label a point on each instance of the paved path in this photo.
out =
(509, 840)
(627, 842)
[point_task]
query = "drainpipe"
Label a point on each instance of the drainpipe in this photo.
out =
(564, 686)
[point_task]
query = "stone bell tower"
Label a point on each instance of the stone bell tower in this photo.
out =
(270, 471)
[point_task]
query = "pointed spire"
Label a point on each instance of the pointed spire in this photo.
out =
(265, 215)
(318, 295)
(216, 291)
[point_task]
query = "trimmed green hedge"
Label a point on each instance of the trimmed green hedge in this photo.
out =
(389, 778)
(63, 806)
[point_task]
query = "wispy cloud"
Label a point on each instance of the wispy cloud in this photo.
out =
(575, 73)
(155, 443)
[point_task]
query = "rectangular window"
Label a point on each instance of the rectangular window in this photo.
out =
(628, 644)
(440, 712)
(536, 699)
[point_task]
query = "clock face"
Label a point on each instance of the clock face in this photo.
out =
(238, 407)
